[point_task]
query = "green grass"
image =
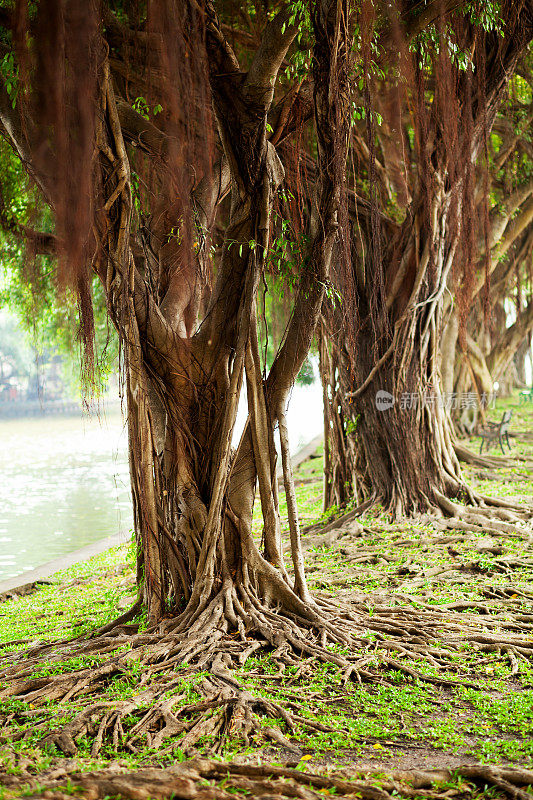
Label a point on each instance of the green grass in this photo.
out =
(78, 600)
(493, 723)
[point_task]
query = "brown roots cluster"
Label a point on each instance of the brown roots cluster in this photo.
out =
(202, 779)
(367, 645)
(368, 639)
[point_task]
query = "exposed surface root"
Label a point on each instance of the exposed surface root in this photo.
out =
(368, 644)
(22, 591)
(182, 677)
(202, 779)
(481, 511)
(466, 455)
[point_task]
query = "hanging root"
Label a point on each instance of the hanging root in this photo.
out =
(202, 779)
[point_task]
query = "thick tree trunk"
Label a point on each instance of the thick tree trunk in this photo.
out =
(389, 434)
(199, 565)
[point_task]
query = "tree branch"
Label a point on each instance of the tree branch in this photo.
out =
(514, 229)
(276, 40)
(510, 341)
(222, 59)
(140, 132)
(501, 214)
(40, 242)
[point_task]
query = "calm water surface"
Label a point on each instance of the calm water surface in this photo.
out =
(64, 483)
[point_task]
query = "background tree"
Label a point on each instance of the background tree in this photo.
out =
(476, 360)
(413, 240)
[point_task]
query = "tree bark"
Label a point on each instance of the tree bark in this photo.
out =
(396, 434)
(402, 451)
(200, 566)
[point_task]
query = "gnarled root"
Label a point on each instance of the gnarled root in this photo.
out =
(365, 644)
(202, 779)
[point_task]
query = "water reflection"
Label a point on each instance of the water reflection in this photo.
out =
(64, 484)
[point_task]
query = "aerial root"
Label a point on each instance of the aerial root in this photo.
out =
(203, 779)
(124, 618)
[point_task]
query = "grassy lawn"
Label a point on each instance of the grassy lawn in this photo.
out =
(470, 586)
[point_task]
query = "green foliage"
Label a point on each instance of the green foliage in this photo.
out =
(87, 599)
(288, 253)
(428, 43)
(351, 425)
(9, 73)
(359, 112)
(140, 105)
(485, 13)
(28, 283)
(300, 59)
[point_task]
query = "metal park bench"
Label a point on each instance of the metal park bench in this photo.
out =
(497, 431)
(526, 396)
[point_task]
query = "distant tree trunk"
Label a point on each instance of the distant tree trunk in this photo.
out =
(510, 342)
(341, 469)
(389, 434)
(480, 366)
(396, 438)
(520, 359)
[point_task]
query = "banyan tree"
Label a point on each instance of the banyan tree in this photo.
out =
(417, 223)
(161, 138)
(137, 189)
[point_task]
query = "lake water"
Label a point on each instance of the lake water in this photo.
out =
(64, 484)
(64, 481)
